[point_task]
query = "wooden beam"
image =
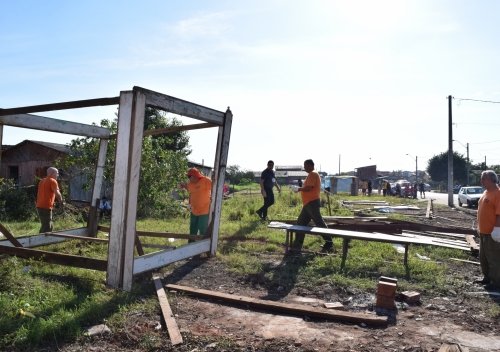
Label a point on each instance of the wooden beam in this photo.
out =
(42, 240)
(61, 106)
(9, 236)
(120, 187)
(428, 213)
(168, 316)
(132, 192)
(42, 123)
(196, 126)
(287, 308)
(158, 259)
(73, 237)
(160, 234)
(220, 164)
(181, 107)
(472, 243)
(56, 258)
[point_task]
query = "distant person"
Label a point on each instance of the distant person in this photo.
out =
(398, 189)
(200, 189)
(267, 182)
(105, 207)
(421, 187)
(388, 188)
(488, 221)
(414, 191)
(310, 193)
(369, 187)
(299, 182)
(363, 187)
(47, 193)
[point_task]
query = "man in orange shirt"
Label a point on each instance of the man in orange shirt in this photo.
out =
(488, 221)
(48, 192)
(310, 192)
(200, 189)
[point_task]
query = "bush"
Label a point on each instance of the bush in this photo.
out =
(16, 202)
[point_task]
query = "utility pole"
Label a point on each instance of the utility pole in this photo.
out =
(450, 153)
(468, 165)
(339, 164)
(416, 169)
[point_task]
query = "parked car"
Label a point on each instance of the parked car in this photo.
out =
(427, 187)
(470, 195)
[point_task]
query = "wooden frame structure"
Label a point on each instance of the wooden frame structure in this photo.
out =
(121, 264)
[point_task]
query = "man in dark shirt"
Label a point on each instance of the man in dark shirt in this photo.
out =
(267, 182)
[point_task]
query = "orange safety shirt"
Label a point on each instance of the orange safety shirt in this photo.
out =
(199, 195)
(488, 210)
(314, 181)
(46, 194)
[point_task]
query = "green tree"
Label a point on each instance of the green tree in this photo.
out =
(237, 176)
(438, 168)
(163, 163)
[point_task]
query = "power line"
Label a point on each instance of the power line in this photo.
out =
(498, 140)
(478, 100)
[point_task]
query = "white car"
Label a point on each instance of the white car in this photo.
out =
(470, 195)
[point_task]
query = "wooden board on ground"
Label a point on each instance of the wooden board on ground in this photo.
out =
(172, 328)
(289, 308)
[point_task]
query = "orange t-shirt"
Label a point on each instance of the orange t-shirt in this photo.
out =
(46, 194)
(314, 181)
(199, 195)
(488, 210)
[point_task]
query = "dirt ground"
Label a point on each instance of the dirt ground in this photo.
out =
(458, 318)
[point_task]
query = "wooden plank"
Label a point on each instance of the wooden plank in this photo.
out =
(472, 243)
(365, 236)
(160, 234)
(73, 237)
(134, 171)
(465, 261)
(9, 236)
(61, 106)
(220, 167)
(120, 187)
(42, 240)
(54, 125)
(168, 130)
(378, 237)
(172, 328)
(152, 261)
(287, 308)
(181, 107)
(96, 190)
(428, 213)
(56, 258)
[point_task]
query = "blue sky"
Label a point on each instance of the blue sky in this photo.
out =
(346, 83)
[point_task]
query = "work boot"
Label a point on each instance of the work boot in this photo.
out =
(327, 248)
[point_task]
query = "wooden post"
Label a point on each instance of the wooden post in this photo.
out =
(96, 192)
(220, 171)
(126, 184)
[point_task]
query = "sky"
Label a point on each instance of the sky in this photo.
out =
(345, 83)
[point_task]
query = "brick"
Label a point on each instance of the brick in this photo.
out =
(388, 279)
(410, 296)
(386, 289)
(334, 305)
(385, 302)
